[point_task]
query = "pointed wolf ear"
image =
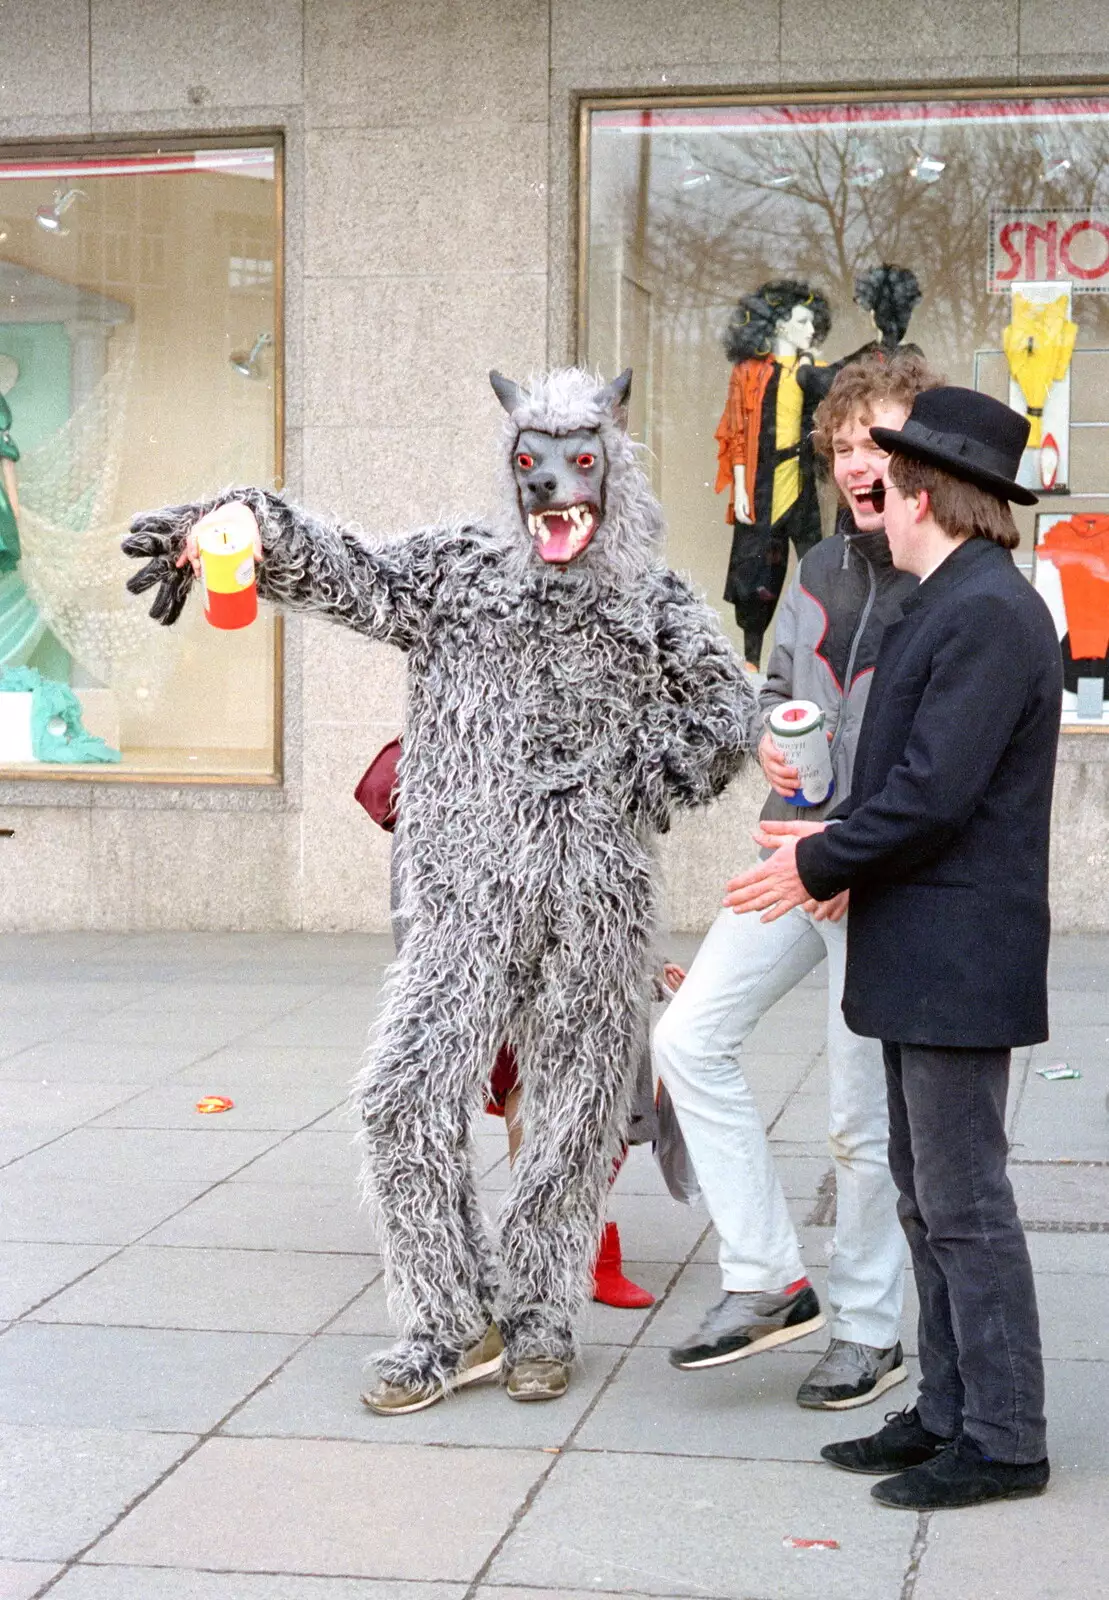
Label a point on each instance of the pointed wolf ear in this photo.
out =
(614, 396)
(508, 393)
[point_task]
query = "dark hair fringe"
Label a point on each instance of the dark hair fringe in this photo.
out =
(961, 508)
(751, 327)
(891, 294)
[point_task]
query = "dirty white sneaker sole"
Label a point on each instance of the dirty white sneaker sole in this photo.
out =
(887, 1381)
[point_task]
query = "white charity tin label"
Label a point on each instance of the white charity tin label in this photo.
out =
(797, 729)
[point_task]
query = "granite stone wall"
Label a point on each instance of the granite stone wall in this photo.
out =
(431, 233)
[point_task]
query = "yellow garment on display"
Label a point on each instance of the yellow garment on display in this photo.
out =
(787, 432)
(1039, 343)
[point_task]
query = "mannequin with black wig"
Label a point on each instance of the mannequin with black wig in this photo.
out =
(764, 450)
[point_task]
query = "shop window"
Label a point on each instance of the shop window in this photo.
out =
(134, 371)
(976, 229)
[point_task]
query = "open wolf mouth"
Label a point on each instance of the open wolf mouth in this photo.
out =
(562, 533)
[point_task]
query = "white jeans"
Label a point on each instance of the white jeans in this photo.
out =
(741, 969)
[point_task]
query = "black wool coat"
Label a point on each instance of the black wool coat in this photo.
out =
(944, 839)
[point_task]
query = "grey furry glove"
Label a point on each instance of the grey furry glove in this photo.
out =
(160, 536)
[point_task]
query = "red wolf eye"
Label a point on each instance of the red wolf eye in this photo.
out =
(524, 461)
(585, 460)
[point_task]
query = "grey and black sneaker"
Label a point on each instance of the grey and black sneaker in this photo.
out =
(849, 1375)
(744, 1323)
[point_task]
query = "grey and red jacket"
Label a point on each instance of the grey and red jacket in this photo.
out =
(827, 632)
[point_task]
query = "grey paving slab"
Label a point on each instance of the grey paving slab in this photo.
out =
(57, 1102)
(1065, 1119)
(119, 1155)
(271, 1216)
(120, 1378)
(323, 1156)
(656, 1228)
(317, 1396)
(81, 1060)
(805, 1118)
(30, 1272)
(85, 1211)
(1051, 1548)
(746, 1410)
(1077, 1409)
(329, 1507)
(237, 1290)
(61, 1487)
(268, 1065)
(316, 1024)
(160, 1028)
(1084, 1253)
(147, 1583)
(712, 1528)
(283, 1106)
(198, 998)
(19, 1580)
(1062, 1193)
(61, 997)
(21, 1142)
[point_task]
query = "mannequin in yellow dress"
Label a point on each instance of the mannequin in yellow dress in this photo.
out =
(1038, 343)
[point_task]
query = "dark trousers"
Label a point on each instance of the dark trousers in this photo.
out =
(758, 562)
(981, 1368)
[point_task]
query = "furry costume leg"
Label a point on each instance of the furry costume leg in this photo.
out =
(579, 1061)
(431, 1057)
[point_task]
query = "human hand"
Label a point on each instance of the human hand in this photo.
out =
(232, 517)
(782, 778)
(742, 504)
(673, 976)
(773, 886)
(833, 910)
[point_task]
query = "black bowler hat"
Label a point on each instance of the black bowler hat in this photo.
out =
(969, 435)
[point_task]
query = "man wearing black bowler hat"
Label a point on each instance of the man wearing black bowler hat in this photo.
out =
(943, 845)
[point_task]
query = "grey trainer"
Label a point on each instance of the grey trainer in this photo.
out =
(741, 1324)
(849, 1375)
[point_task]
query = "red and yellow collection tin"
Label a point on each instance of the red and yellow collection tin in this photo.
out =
(227, 576)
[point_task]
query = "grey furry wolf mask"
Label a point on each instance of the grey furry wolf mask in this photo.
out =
(560, 476)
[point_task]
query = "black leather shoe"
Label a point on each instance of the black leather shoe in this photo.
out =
(903, 1442)
(962, 1476)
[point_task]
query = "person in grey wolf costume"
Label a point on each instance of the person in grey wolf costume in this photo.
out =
(566, 693)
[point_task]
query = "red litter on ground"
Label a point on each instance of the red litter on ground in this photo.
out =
(214, 1102)
(809, 1544)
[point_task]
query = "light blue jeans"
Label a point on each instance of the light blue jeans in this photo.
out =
(741, 969)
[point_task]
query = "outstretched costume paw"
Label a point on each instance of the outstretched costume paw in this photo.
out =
(161, 537)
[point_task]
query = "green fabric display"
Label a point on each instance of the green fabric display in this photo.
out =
(9, 529)
(53, 704)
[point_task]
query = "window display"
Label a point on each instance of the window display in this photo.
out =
(139, 351)
(749, 250)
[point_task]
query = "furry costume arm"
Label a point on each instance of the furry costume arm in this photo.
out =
(309, 564)
(706, 720)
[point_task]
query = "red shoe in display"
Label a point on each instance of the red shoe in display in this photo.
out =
(1049, 461)
(610, 1286)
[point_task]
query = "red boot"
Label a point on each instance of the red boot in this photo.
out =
(610, 1286)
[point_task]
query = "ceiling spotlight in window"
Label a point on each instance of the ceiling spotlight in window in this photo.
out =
(49, 218)
(248, 365)
(779, 174)
(926, 168)
(1055, 165)
(863, 167)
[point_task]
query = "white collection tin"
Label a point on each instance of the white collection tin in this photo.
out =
(797, 728)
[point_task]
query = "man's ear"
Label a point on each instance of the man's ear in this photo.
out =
(923, 505)
(613, 398)
(508, 393)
